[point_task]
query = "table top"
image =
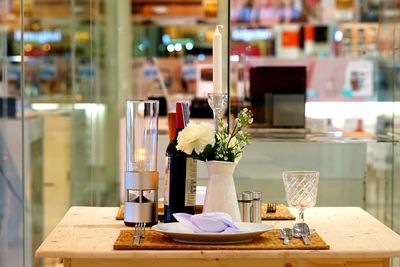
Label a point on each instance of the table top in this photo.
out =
(90, 232)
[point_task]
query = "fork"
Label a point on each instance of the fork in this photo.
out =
(140, 231)
(271, 207)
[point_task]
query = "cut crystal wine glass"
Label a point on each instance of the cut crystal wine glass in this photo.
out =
(301, 189)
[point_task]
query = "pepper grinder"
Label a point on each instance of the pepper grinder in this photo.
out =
(241, 204)
(247, 198)
(141, 175)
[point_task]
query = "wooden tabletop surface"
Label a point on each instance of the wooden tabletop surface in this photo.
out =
(90, 232)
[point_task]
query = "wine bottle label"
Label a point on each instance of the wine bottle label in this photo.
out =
(191, 180)
(166, 181)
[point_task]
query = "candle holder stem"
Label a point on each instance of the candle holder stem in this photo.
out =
(218, 103)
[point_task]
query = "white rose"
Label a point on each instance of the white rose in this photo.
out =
(196, 136)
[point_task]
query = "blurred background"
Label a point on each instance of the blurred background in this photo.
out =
(321, 76)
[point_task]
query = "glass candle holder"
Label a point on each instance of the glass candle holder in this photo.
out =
(141, 176)
(218, 104)
(141, 135)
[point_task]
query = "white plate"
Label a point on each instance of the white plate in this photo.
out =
(182, 234)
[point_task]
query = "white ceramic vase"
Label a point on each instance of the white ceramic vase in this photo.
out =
(221, 193)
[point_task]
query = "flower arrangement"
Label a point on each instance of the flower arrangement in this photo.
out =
(203, 142)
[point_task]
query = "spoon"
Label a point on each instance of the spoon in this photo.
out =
(302, 230)
(286, 235)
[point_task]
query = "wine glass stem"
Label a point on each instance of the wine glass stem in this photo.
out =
(301, 215)
(217, 116)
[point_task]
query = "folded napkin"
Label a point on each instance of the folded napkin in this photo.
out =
(210, 222)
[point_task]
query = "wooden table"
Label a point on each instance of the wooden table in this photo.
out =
(85, 237)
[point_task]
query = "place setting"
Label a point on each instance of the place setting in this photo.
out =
(217, 230)
(210, 231)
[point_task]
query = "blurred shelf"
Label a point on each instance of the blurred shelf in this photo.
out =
(50, 99)
(271, 25)
(304, 135)
(174, 20)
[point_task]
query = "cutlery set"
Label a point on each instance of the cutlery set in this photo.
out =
(300, 230)
(271, 207)
(139, 232)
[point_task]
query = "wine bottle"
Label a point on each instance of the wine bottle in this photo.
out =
(180, 172)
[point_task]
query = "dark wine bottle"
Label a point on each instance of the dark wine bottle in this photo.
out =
(180, 172)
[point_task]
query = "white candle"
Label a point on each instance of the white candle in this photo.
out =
(217, 60)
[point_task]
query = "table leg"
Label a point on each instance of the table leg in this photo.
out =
(67, 262)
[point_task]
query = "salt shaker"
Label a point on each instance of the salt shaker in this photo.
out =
(256, 207)
(247, 198)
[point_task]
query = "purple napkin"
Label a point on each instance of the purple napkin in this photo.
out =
(210, 222)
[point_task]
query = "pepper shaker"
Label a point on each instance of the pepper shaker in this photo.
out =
(241, 203)
(247, 197)
(256, 207)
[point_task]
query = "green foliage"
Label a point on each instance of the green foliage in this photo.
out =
(226, 146)
(229, 147)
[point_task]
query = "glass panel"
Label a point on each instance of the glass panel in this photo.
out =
(172, 60)
(396, 130)
(172, 49)
(94, 118)
(379, 182)
(15, 240)
(388, 21)
(394, 202)
(46, 89)
(319, 78)
(67, 108)
(83, 59)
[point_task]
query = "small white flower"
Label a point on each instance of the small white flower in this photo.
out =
(196, 136)
(245, 110)
(225, 158)
(250, 121)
